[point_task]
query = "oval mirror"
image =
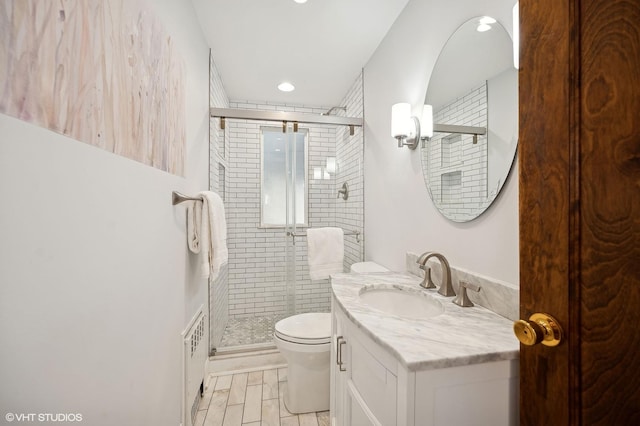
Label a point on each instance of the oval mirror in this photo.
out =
(473, 92)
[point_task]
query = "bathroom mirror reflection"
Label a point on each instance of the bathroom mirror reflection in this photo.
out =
(474, 83)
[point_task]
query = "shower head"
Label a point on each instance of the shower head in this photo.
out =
(333, 109)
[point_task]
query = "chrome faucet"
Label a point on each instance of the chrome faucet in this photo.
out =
(446, 288)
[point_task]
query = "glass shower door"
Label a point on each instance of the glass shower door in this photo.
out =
(296, 209)
(290, 224)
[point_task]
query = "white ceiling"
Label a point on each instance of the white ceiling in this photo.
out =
(320, 46)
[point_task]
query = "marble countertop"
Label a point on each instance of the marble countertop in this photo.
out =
(459, 336)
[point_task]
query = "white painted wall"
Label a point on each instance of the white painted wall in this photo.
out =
(96, 282)
(399, 216)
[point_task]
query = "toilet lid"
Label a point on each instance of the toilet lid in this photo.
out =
(309, 329)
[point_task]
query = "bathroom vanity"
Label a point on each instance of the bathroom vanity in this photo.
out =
(389, 366)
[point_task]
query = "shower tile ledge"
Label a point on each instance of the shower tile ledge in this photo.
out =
(457, 337)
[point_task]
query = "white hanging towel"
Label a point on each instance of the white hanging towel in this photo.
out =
(325, 252)
(194, 225)
(213, 238)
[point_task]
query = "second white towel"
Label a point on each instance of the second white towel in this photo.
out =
(325, 252)
(214, 235)
(194, 225)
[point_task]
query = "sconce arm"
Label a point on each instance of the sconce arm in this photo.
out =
(463, 130)
(454, 128)
(411, 142)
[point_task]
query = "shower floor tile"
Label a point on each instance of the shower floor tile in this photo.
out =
(249, 331)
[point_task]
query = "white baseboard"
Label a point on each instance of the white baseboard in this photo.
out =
(245, 362)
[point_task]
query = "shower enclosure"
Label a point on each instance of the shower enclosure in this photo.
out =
(280, 174)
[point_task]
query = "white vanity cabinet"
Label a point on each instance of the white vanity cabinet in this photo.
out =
(369, 386)
(363, 378)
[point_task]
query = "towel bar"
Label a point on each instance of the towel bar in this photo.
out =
(177, 198)
(304, 234)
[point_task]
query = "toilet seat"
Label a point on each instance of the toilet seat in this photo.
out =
(305, 329)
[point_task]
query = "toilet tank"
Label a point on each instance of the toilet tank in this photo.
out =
(367, 267)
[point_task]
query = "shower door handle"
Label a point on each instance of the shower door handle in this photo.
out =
(339, 342)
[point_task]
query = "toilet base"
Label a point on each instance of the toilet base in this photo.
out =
(307, 389)
(304, 340)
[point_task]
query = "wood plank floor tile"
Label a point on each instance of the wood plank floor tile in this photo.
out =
(223, 382)
(233, 415)
(217, 408)
(238, 389)
(255, 378)
(252, 399)
(324, 419)
(270, 412)
(308, 419)
(289, 421)
(270, 384)
(253, 404)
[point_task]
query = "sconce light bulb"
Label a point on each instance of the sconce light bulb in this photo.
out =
(400, 115)
(331, 164)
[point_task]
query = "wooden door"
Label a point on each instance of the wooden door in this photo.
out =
(579, 162)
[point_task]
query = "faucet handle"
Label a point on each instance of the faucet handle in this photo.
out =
(427, 282)
(462, 299)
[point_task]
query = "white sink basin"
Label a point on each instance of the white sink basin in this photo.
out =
(402, 302)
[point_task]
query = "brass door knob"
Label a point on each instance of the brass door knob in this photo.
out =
(540, 328)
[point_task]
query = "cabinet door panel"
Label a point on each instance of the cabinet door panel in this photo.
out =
(485, 403)
(338, 378)
(472, 395)
(373, 382)
(357, 411)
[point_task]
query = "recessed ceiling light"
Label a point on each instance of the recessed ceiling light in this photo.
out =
(286, 87)
(484, 23)
(300, 1)
(487, 20)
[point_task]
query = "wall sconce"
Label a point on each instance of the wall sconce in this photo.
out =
(407, 128)
(404, 127)
(331, 165)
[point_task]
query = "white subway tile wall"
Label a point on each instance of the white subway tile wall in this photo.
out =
(254, 282)
(257, 268)
(350, 158)
(455, 162)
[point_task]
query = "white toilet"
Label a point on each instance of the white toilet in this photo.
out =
(305, 342)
